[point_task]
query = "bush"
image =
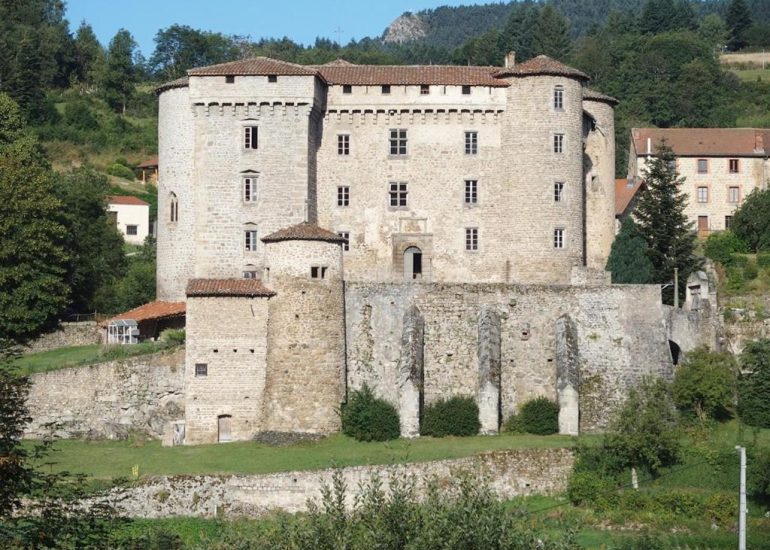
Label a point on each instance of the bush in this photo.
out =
(538, 416)
(763, 260)
(79, 115)
(738, 260)
(704, 386)
(120, 171)
(759, 478)
(754, 384)
(456, 416)
(584, 487)
(173, 336)
(751, 271)
(721, 247)
(368, 418)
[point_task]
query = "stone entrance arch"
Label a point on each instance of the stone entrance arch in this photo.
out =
(413, 263)
(676, 352)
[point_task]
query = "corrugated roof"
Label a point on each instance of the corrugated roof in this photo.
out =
(126, 199)
(593, 95)
(704, 142)
(249, 288)
(178, 83)
(410, 75)
(303, 232)
(152, 311)
(541, 65)
(625, 191)
(257, 66)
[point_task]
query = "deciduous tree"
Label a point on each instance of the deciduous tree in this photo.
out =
(120, 73)
(751, 222)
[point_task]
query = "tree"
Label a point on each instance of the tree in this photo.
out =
(738, 22)
(754, 384)
(657, 16)
(663, 223)
(713, 31)
(120, 73)
(33, 257)
(89, 56)
(551, 34)
(628, 261)
(751, 221)
(705, 384)
(517, 34)
(180, 47)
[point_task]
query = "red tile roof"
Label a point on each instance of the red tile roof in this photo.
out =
(541, 65)
(151, 162)
(256, 66)
(228, 287)
(410, 75)
(593, 95)
(625, 191)
(704, 142)
(303, 232)
(153, 311)
(126, 199)
(178, 83)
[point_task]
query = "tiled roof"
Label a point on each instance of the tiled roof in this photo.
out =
(714, 142)
(542, 65)
(303, 232)
(125, 199)
(153, 311)
(625, 191)
(228, 287)
(178, 83)
(149, 163)
(593, 95)
(414, 75)
(254, 67)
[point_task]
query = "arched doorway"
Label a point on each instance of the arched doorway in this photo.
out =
(412, 263)
(676, 352)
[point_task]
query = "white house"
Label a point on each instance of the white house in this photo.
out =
(131, 216)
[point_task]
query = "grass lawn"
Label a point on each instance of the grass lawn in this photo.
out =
(77, 356)
(752, 75)
(108, 459)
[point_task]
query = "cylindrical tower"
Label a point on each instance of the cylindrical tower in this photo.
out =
(305, 380)
(175, 225)
(543, 148)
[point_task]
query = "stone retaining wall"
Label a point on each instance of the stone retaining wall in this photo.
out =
(65, 335)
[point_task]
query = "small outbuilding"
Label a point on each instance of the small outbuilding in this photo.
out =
(145, 322)
(131, 216)
(149, 170)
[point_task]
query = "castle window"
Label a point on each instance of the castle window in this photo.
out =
(703, 166)
(343, 144)
(466, 90)
(734, 166)
(345, 235)
(398, 142)
(132, 229)
(230, 79)
(318, 272)
(424, 89)
(728, 222)
(250, 140)
(558, 143)
(386, 89)
(250, 240)
(558, 98)
(343, 195)
(471, 143)
(201, 370)
(272, 78)
(471, 191)
(250, 189)
(703, 194)
(347, 89)
(558, 238)
(471, 238)
(249, 274)
(398, 194)
(174, 208)
(733, 195)
(558, 191)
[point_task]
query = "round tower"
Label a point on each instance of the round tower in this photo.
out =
(305, 381)
(543, 144)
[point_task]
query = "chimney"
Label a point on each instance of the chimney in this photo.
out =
(510, 60)
(649, 146)
(759, 142)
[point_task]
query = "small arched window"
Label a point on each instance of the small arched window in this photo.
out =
(558, 98)
(173, 207)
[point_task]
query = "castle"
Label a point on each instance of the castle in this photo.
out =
(427, 230)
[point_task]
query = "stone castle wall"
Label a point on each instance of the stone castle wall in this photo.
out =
(67, 334)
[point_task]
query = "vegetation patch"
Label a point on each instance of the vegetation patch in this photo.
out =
(368, 418)
(538, 416)
(457, 416)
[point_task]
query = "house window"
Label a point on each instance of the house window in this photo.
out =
(250, 240)
(174, 208)
(345, 235)
(558, 97)
(347, 89)
(201, 369)
(343, 144)
(558, 143)
(398, 142)
(558, 238)
(471, 238)
(734, 166)
(466, 90)
(471, 143)
(728, 222)
(424, 89)
(272, 78)
(471, 191)
(703, 194)
(703, 166)
(398, 193)
(386, 89)
(250, 140)
(558, 191)
(318, 272)
(250, 274)
(343, 195)
(230, 79)
(132, 230)
(733, 194)
(250, 189)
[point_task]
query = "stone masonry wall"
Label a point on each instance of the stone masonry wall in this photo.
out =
(67, 334)
(110, 399)
(510, 473)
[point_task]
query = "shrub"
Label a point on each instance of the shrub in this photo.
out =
(173, 336)
(538, 416)
(759, 478)
(763, 260)
(721, 508)
(721, 247)
(751, 271)
(456, 416)
(120, 171)
(738, 260)
(754, 384)
(79, 115)
(584, 487)
(368, 418)
(704, 386)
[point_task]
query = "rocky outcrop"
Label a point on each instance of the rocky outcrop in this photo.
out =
(405, 28)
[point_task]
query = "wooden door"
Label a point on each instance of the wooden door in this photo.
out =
(225, 422)
(703, 227)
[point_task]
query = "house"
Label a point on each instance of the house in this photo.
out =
(149, 170)
(145, 322)
(131, 216)
(626, 196)
(721, 166)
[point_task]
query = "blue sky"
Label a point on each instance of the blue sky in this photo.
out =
(300, 20)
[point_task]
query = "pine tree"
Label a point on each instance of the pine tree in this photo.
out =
(663, 223)
(551, 35)
(628, 261)
(89, 55)
(120, 73)
(738, 22)
(657, 16)
(517, 34)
